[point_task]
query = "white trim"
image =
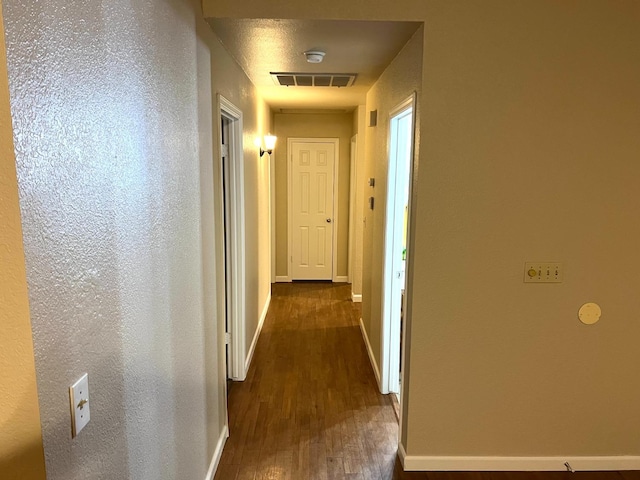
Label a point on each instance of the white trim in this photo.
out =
(340, 279)
(524, 464)
(217, 453)
(272, 215)
(372, 359)
(353, 165)
(402, 453)
(403, 378)
(356, 297)
(390, 338)
(252, 349)
(237, 320)
(336, 170)
(283, 279)
(336, 221)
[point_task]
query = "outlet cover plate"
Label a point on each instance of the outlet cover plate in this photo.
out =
(543, 272)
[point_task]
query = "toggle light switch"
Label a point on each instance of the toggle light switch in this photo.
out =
(79, 398)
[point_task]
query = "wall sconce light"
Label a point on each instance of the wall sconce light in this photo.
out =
(269, 144)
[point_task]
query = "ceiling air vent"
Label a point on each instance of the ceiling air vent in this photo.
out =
(287, 79)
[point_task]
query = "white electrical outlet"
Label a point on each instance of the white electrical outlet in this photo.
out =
(79, 398)
(543, 272)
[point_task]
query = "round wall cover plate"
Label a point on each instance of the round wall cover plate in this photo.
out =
(589, 313)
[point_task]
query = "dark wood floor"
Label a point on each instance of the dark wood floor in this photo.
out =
(310, 407)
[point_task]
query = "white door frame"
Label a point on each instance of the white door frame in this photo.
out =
(390, 368)
(272, 215)
(237, 261)
(353, 169)
(336, 162)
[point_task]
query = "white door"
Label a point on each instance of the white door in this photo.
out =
(311, 210)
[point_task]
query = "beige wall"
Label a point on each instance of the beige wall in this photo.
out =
(535, 97)
(397, 83)
(228, 79)
(21, 454)
(292, 125)
(528, 151)
(221, 75)
(116, 134)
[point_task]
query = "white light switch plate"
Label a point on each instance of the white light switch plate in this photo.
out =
(79, 397)
(543, 272)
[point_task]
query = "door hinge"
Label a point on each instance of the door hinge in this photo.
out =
(225, 150)
(227, 338)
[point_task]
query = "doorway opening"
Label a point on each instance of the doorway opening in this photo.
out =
(397, 214)
(233, 263)
(313, 217)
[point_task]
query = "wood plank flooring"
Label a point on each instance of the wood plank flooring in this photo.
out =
(310, 408)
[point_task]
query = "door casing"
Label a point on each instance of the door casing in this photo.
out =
(236, 290)
(390, 348)
(335, 219)
(353, 175)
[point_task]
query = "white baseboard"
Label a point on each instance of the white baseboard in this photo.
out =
(372, 359)
(341, 279)
(516, 464)
(283, 279)
(356, 297)
(217, 453)
(402, 454)
(254, 342)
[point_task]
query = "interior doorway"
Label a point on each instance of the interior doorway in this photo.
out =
(233, 261)
(313, 187)
(401, 142)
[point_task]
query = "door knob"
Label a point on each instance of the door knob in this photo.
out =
(328, 220)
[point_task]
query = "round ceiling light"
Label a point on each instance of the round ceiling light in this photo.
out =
(314, 56)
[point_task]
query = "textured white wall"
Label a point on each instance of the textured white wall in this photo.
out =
(115, 133)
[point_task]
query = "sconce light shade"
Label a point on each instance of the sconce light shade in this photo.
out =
(269, 144)
(270, 141)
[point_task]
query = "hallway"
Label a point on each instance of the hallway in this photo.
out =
(310, 407)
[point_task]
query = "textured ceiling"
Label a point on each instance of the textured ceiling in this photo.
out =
(262, 46)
